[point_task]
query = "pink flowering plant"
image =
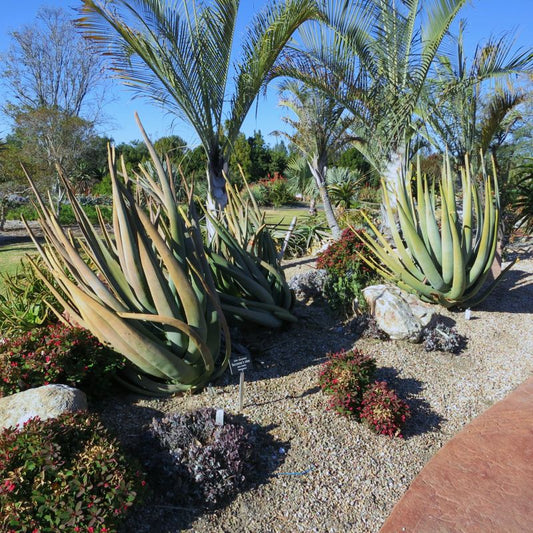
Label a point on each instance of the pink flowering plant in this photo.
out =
(382, 410)
(64, 474)
(56, 354)
(345, 376)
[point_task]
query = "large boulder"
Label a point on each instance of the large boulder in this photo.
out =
(48, 401)
(399, 314)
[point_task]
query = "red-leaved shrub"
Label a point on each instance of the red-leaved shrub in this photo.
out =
(345, 377)
(382, 410)
(56, 354)
(64, 474)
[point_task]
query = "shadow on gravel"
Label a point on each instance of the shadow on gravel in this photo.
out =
(165, 507)
(423, 418)
(514, 294)
(294, 347)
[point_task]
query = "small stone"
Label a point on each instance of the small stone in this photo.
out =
(308, 285)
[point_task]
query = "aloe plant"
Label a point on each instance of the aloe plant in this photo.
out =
(443, 250)
(242, 258)
(152, 302)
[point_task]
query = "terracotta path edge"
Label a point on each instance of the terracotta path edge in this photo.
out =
(481, 480)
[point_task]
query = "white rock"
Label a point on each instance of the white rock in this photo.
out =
(399, 314)
(48, 401)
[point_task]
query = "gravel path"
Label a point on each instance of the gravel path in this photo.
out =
(349, 479)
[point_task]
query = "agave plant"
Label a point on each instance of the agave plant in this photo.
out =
(443, 251)
(150, 301)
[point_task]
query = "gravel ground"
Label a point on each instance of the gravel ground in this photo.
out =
(327, 473)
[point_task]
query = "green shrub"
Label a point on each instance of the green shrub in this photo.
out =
(347, 273)
(64, 474)
(25, 210)
(382, 410)
(56, 354)
(271, 192)
(66, 214)
(345, 376)
(22, 300)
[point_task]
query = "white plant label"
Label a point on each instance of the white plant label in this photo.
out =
(219, 419)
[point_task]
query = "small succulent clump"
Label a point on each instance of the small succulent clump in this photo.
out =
(444, 338)
(344, 377)
(64, 474)
(382, 410)
(371, 329)
(209, 462)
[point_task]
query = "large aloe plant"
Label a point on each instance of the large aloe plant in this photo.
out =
(244, 262)
(151, 302)
(443, 249)
(241, 255)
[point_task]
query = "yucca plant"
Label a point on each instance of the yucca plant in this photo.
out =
(143, 288)
(443, 250)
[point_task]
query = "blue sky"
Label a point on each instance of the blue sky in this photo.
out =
(485, 17)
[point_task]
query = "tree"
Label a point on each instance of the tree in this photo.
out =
(320, 130)
(279, 156)
(301, 181)
(49, 65)
(460, 113)
(260, 157)
(173, 147)
(241, 155)
(380, 52)
(50, 74)
(180, 55)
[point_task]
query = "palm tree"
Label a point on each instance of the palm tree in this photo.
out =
(381, 53)
(301, 181)
(320, 131)
(459, 113)
(180, 55)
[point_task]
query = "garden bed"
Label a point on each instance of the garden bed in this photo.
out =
(328, 473)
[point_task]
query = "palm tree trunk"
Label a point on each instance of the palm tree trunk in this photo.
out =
(217, 197)
(312, 206)
(393, 174)
(319, 173)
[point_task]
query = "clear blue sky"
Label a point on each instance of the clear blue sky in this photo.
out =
(485, 17)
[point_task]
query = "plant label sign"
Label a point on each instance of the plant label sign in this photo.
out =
(241, 364)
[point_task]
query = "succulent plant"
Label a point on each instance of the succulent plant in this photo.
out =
(443, 251)
(210, 462)
(242, 258)
(444, 338)
(143, 288)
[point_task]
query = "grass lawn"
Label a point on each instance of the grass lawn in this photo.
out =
(11, 254)
(284, 215)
